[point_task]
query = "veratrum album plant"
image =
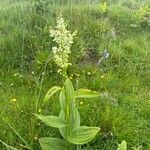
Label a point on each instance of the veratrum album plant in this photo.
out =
(68, 121)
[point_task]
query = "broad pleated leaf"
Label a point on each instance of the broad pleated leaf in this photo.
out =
(62, 130)
(74, 120)
(48, 143)
(62, 100)
(85, 93)
(51, 92)
(122, 146)
(69, 89)
(52, 121)
(82, 134)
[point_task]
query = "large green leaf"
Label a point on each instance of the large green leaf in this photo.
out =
(69, 89)
(85, 93)
(122, 146)
(48, 143)
(51, 92)
(62, 100)
(82, 134)
(62, 130)
(52, 121)
(74, 120)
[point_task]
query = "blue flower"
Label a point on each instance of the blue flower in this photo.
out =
(105, 54)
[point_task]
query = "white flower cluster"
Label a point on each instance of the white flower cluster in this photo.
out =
(64, 39)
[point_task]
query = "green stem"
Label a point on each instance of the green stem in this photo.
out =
(68, 121)
(67, 117)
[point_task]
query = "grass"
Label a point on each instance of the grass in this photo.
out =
(122, 112)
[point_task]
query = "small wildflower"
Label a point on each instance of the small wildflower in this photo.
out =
(13, 100)
(88, 73)
(78, 75)
(71, 78)
(35, 138)
(16, 74)
(104, 7)
(39, 110)
(11, 84)
(39, 124)
(105, 54)
(102, 76)
(20, 76)
(32, 72)
(59, 70)
(111, 133)
(81, 103)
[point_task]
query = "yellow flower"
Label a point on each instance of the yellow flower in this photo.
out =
(71, 78)
(104, 7)
(77, 75)
(13, 100)
(102, 76)
(81, 103)
(39, 110)
(72, 75)
(88, 73)
(16, 74)
(35, 138)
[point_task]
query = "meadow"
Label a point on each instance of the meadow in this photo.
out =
(110, 54)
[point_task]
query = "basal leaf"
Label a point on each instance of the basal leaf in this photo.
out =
(51, 92)
(85, 93)
(122, 146)
(82, 134)
(52, 121)
(48, 143)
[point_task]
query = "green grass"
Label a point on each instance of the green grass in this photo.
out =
(122, 112)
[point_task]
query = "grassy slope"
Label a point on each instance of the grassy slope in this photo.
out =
(123, 111)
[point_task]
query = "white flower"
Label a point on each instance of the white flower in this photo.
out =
(64, 40)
